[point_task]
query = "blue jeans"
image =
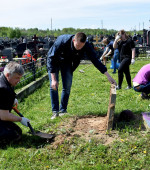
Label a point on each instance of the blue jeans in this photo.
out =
(66, 75)
(143, 88)
(115, 58)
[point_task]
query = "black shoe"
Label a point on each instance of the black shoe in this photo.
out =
(114, 72)
(144, 96)
(128, 87)
(118, 87)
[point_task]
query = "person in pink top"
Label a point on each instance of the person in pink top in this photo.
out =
(141, 82)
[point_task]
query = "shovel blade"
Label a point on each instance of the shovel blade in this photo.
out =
(44, 135)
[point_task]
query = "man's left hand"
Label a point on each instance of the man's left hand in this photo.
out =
(110, 79)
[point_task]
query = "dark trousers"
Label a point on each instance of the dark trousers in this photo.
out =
(9, 132)
(124, 69)
(143, 88)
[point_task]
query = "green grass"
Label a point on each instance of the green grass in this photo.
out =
(89, 96)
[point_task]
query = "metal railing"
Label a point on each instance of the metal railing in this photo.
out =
(142, 51)
(33, 70)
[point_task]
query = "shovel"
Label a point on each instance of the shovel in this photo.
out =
(82, 71)
(33, 132)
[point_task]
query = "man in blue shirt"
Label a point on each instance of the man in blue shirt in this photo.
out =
(110, 51)
(65, 56)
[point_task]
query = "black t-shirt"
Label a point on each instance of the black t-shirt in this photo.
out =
(7, 94)
(125, 48)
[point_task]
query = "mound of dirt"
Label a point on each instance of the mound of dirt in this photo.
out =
(85, 127)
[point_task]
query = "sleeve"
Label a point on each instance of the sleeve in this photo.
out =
(53, 55)
(94, 58)
(5, 103)
(132, 44)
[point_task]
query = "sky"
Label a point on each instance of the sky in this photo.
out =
(59, 14)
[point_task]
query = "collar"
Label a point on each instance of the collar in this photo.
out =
(6, 81)
(72, 45)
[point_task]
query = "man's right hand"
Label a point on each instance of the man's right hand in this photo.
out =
(25, 121)
(54, 85)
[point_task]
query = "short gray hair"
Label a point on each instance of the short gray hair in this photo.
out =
(13, 67)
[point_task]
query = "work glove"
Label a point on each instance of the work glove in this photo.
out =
(132, 61)
(118, 37)
(15, 102)
(25, 121)
(101, 58)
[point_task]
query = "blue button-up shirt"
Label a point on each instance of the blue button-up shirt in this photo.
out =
(63, 51)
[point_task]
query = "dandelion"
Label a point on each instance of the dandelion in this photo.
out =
(122, 140)
(144, 151)
(119, 160)
(135, 147)
(47, 166)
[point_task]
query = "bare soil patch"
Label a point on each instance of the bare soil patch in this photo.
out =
(91, 127)
(85, 127)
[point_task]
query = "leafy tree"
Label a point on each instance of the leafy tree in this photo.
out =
(18, 33)
(12, 33)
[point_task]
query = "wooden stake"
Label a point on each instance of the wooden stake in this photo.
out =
(111, 107)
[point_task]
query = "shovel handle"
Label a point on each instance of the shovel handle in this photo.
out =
(17, 111)
(29, 125)
(32, 130)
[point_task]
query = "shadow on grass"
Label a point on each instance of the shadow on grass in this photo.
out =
(136, 123)
(28, 141)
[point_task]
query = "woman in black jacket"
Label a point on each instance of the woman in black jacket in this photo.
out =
(126, 48)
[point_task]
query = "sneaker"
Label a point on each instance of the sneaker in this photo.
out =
(62, 113)
(128, 87)
(144, 96)
(114, 72)
(118, 87)
(55, 114)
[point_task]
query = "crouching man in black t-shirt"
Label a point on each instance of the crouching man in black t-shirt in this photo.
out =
(9, 131)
